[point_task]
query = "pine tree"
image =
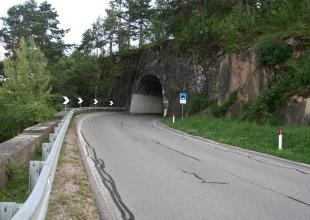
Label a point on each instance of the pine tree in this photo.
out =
(37, 21)
(141, 14)
(94, 39)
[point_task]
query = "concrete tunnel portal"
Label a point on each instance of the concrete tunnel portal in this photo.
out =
(147, 96)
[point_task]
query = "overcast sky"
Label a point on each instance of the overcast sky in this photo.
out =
(76, 15)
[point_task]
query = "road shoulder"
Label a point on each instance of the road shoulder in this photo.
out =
(71, 196)
(304, 168)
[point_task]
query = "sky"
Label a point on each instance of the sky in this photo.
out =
(75, 15)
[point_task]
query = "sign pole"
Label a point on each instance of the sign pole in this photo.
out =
(182, 111)
(183, 99)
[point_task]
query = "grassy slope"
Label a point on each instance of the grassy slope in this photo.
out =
(17, 189)
(296, 140)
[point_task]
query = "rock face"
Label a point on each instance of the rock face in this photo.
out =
(297, 110)
(215, 75)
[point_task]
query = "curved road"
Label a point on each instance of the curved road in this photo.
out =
(154, 173)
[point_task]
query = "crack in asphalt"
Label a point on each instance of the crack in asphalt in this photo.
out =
(262, 161)
(124, 127)
(230, 151)
(266, 188)
(109, 183)
(285, 167)
(203, 180)
(179, 152)
(297, 200)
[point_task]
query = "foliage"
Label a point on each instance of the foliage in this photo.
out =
(220, 110)
(270, 51)
(198, 102)
(23, 98)
(37, 21)
(139, 13)
(80, 75)
(249, 135)
(17, 188)
(230, 25)
(93, 39)
(300, 69)
(294, 79)
(1, 68)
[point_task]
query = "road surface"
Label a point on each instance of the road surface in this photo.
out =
(151, 172)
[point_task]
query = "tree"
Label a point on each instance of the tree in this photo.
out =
(78, 75)
(1, 68)
(118, 9)
(141, 15)
(24, 97)
(158, 22)
(110, 27)
(37, 21)
(93, 39)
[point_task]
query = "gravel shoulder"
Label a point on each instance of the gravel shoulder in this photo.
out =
(71, 196)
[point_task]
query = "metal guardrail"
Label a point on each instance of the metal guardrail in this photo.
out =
(41, 174)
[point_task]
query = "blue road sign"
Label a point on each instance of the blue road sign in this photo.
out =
(183, 97)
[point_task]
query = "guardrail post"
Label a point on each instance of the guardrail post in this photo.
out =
(35, 168)
(57, 129)
(8, 210)
(46, 149)
(52, 138)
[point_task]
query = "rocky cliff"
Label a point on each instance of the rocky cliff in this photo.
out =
(215, 75)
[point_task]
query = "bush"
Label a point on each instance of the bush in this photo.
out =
(294, 79)
(300, 69)
(198, 102)
(271, 51)
(219, 111)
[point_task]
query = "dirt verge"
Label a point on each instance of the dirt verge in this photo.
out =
(71, 196)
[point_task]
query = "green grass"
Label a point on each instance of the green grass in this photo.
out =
(17, 188)
(296, 140)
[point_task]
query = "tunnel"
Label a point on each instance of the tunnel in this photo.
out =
(147, 97)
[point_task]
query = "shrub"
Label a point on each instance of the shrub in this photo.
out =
(295, 79)
(219, 111)
(198, 102)
(300, 69)
(271, 51)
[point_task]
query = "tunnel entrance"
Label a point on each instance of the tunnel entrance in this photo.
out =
(148, 96)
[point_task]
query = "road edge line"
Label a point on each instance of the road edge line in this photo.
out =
(158, 123)
(107, 210)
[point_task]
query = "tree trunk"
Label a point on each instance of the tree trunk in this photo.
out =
(141, 35)
(111, 45)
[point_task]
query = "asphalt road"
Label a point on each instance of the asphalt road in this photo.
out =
(154, 173)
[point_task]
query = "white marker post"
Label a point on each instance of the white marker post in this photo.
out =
(280, 135)
(66, 102)
(173, 118)
(80, 102)
(165, 112)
